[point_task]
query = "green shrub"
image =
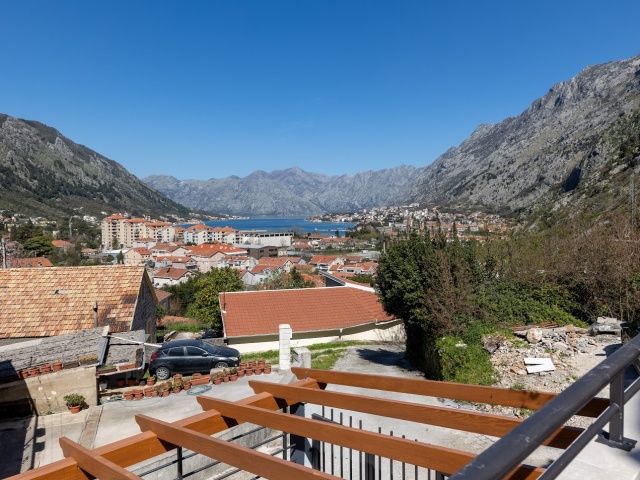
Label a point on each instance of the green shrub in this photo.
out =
(464, 363)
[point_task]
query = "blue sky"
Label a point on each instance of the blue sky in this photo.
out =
(208, 89)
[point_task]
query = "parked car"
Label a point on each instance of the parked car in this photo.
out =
(189, 357)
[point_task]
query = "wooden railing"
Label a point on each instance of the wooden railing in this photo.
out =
(263, 408)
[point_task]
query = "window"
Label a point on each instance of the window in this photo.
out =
(176, 352)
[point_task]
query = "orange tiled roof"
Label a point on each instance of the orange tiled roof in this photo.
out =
(30, 262)
(171, 272)
(306, 309)
(43, 302)
(61, 243)
(161, 294)
(322, 259)
(273, 261)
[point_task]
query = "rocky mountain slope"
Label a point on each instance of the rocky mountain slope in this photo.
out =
(42, 173)
(290, 192)
(565, 145)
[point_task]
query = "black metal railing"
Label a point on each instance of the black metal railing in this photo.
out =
(508, 452)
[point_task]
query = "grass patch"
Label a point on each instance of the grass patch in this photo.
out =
(326, 359)
(273, 356)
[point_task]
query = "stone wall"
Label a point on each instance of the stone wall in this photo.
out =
(144, 317)
(44, 394)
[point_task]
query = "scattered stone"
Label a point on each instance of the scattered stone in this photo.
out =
(534, 335)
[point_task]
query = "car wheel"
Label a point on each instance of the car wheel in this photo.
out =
(162, 373)
(221, 365)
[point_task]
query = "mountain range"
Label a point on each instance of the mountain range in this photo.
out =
(562, 150)
(577, 148)
(43, 173)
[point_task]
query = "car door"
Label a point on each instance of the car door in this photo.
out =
(199, 360)
(177, 359)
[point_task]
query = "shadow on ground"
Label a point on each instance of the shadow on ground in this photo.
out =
(388, 356)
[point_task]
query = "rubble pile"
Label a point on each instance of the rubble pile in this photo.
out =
(573, 352)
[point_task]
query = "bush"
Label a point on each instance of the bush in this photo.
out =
(464, 363)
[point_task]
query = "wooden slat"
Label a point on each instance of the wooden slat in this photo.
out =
(466, 421)
(471, 393)
(97, 466)
(442, 459)
(141, 447)
(238, 456)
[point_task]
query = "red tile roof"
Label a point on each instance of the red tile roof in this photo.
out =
(30, 262)
(61, 243)
(43, 302)
(161, 294)
(171, 272)
(306, 309)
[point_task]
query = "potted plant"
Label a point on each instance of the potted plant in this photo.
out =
(177, 386)
(225, 375)
(57, 366)
(233, 374)
(241, 372)
(267, 367)
(151, 380)
(217, 378)
(186, 383)
(138, 393)
(74, 402)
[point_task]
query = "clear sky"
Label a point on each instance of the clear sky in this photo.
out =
(207, 89)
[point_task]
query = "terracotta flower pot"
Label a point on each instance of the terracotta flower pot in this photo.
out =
(57, 366)
(128, 395)
(45, 369)
(165, 393)
(186, 386)
(75, 408)
(248, 372)
(261, 363)
(131, 382)
(217, 381)
(148, 391)
(257, 370)
(138, 394)
(266, 370)
(233, 378)
(154, 393)
(34, 371)
(240, 373)
(24, 373)
(151, 380)
(120, 383)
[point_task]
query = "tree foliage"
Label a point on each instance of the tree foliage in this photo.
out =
(282, 280)
(205, 305)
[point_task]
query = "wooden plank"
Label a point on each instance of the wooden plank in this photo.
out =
(438, 458)
(471, 393)
(462, 420)
(65, 469)
(97, 466)
(238, 456)
(146, 445)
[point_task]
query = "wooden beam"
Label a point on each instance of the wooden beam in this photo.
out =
(442, 459)
(471, 393)
(97, 466)
(465, 421)
(238, 456)
(141, 447)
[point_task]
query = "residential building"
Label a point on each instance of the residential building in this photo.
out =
(264, 237)
(170, 276)
(44, 302)
(251, 319)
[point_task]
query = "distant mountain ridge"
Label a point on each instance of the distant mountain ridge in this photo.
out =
(561, 142)
(43, 173)
(290, 192)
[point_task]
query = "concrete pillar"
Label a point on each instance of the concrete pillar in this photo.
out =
(302, 357)
(285, 346)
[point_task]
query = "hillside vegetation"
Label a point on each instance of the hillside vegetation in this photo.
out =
(42, 173)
